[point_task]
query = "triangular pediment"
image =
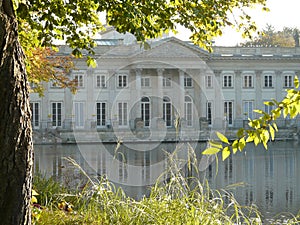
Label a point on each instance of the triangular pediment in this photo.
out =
(173, 48)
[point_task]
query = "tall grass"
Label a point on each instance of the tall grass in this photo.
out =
(180, 200)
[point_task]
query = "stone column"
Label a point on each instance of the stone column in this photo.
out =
(159, 93)
(258, 89)
(181, 93)
(238, 95)
(278, 85)
(138, 76)
(90, 102)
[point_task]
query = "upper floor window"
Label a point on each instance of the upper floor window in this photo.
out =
(78, 79)
(101, 81)
(248, 81)
(122, 81)
(268, 81)
(145, 81)
(188, 81)
(227, 81)
(288, 81)
(208, 81)
(166, 81)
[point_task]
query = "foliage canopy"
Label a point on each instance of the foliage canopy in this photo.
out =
(269, 37)
(76, 22)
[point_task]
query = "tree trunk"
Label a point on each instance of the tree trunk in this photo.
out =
(15, 126)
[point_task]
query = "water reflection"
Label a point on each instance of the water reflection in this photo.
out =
(269, 178)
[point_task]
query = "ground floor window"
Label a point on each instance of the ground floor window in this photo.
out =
(79, 114)
(101, 114)
(167, 111)
(188, 110)
(56, 109)
(248, 109)
(35, 118)
(122, 113)
(145, 111)
(228, 112)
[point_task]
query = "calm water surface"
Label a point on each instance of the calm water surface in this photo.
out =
(269, 179)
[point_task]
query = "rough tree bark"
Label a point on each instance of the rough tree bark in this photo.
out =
(15, 126)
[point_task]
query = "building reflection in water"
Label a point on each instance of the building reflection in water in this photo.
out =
(269, 178)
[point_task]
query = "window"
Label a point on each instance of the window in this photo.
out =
(268, 81)
(56, 114)
(35, 118)
(79, 114)
(145, 111)
(78, 79)
(208, 81)
(145, 81)
(167, 111)
(166, 81)
(209, 112)
(122, 81)
(101, 81)
(248, 110)
(248, 81)
(122, 113)
(288, 81)
(101, 114)
(228, 112)
(188, 110)
(188, 81)
(227, 81)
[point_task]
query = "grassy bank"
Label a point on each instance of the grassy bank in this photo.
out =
(180, 201)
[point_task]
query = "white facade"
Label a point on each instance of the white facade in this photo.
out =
(133, 87)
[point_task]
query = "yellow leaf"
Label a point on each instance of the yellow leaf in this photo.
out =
(225, 153)
(34, 193)
(210, 151)
(222, 137)
(33, 200)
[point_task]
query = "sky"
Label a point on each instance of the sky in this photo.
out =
(283, 13)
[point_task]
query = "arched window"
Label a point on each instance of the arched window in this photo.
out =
(145, 111)
(167, 111)
(188, 110)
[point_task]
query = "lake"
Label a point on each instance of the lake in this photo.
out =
(269, 179)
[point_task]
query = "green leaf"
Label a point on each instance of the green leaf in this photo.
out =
(296, 82)
(242, 144)
(215, 144)
(210, 151)
(222, 138)
(235, 146)
(225, 153)
(272, 132)
(240, 132)
(258, 111)
(91, 62)
(256, 140)
(285, 112)
(275, 127)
